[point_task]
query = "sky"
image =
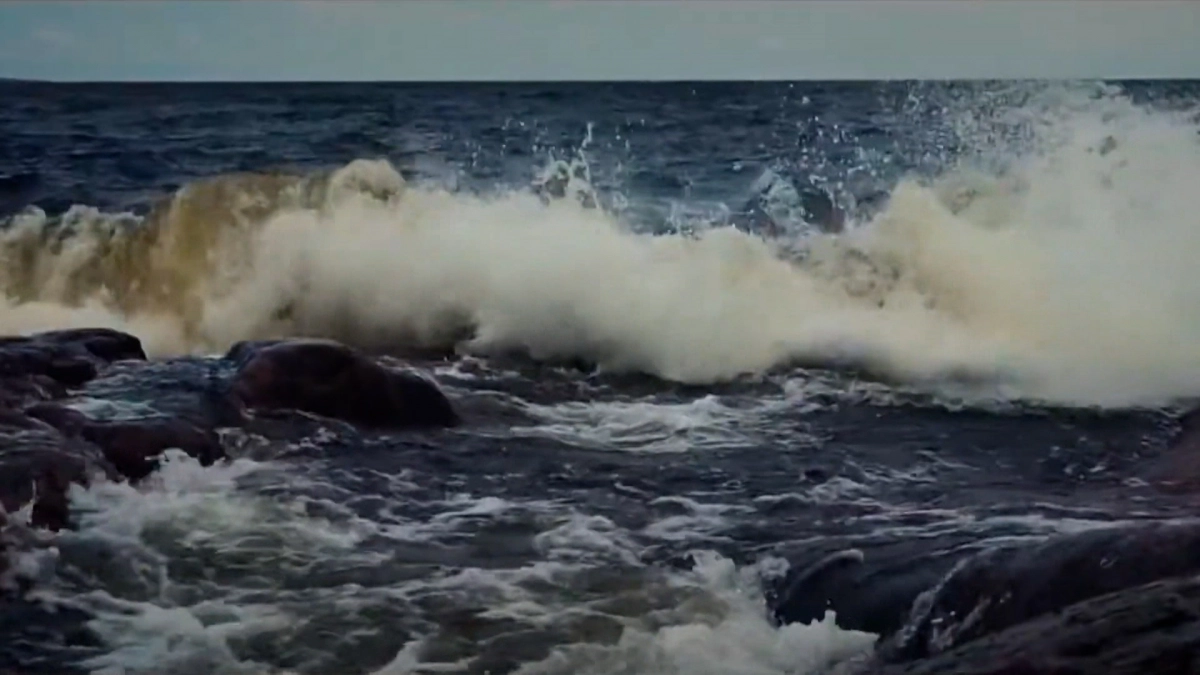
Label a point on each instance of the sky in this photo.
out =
(396, 40)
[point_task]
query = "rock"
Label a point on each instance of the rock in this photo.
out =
(133, 447)
(1004, 587)
(195, 390)
(18, 391)
(241, 352)
(332, 380)
(26, 359)
(870, 585)
(38, 464)
(67, 420)
(47, 447)
(3, 549)
(69, 358)
(105, 344)
(1177, 470)
(778, 197)
(1152, 628)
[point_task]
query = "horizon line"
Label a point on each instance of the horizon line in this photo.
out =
(765, 80)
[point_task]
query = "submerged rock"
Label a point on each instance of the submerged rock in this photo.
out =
(332, 380)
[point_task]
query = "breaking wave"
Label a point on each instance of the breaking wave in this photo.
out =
(1064, 273)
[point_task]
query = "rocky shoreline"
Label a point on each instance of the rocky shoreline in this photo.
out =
(46, 446)
(1116, 600)
(1124, 599)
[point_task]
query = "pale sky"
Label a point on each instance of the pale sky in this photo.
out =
(598, 39)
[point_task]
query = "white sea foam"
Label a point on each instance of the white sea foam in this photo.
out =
(727, 634)
(1068, 277)
(195, 573)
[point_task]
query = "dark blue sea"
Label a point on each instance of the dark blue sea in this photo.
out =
(699, 333)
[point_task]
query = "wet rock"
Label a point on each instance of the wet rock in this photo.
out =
(19, 360)
(1177, 470)
(195, 390)
(1004, 587)
(18, 391)
(4, 546)
(871, 586)
(242, 352)
(67, 420)
(1153, 628)
(777, 199)
(104, 344)
(69, 357)
(820, 210)
(332, 380)
(38, 464)
(134, 447)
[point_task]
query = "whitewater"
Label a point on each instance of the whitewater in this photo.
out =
(1065, 279)
(669, 400)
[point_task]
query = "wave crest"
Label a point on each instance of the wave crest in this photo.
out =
(1066, 275)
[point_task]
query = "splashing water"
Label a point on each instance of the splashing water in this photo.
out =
(1062, 272)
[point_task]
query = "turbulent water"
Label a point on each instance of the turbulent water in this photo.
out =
(697, 331)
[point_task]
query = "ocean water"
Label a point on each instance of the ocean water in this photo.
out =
(699, 333)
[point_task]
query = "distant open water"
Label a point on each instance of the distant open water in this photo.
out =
(957, 313)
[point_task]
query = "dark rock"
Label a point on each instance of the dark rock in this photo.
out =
(25, 359)
(1142, 630)
(4, 545)
(819, 209)
(870, 585)
(195, 390)
(1007, 586)
(18, 391)
(105, 344)
(332, 380)
(134, 447)
(67, 420)
(782, 196)
(38, 464)
(70, 357)
(1177, 470)
(242, 352)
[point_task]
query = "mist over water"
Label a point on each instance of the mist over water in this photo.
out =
(1050, 260)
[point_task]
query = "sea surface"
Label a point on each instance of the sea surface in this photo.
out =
(699, 332)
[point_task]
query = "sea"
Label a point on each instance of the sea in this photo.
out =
(699, 333)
